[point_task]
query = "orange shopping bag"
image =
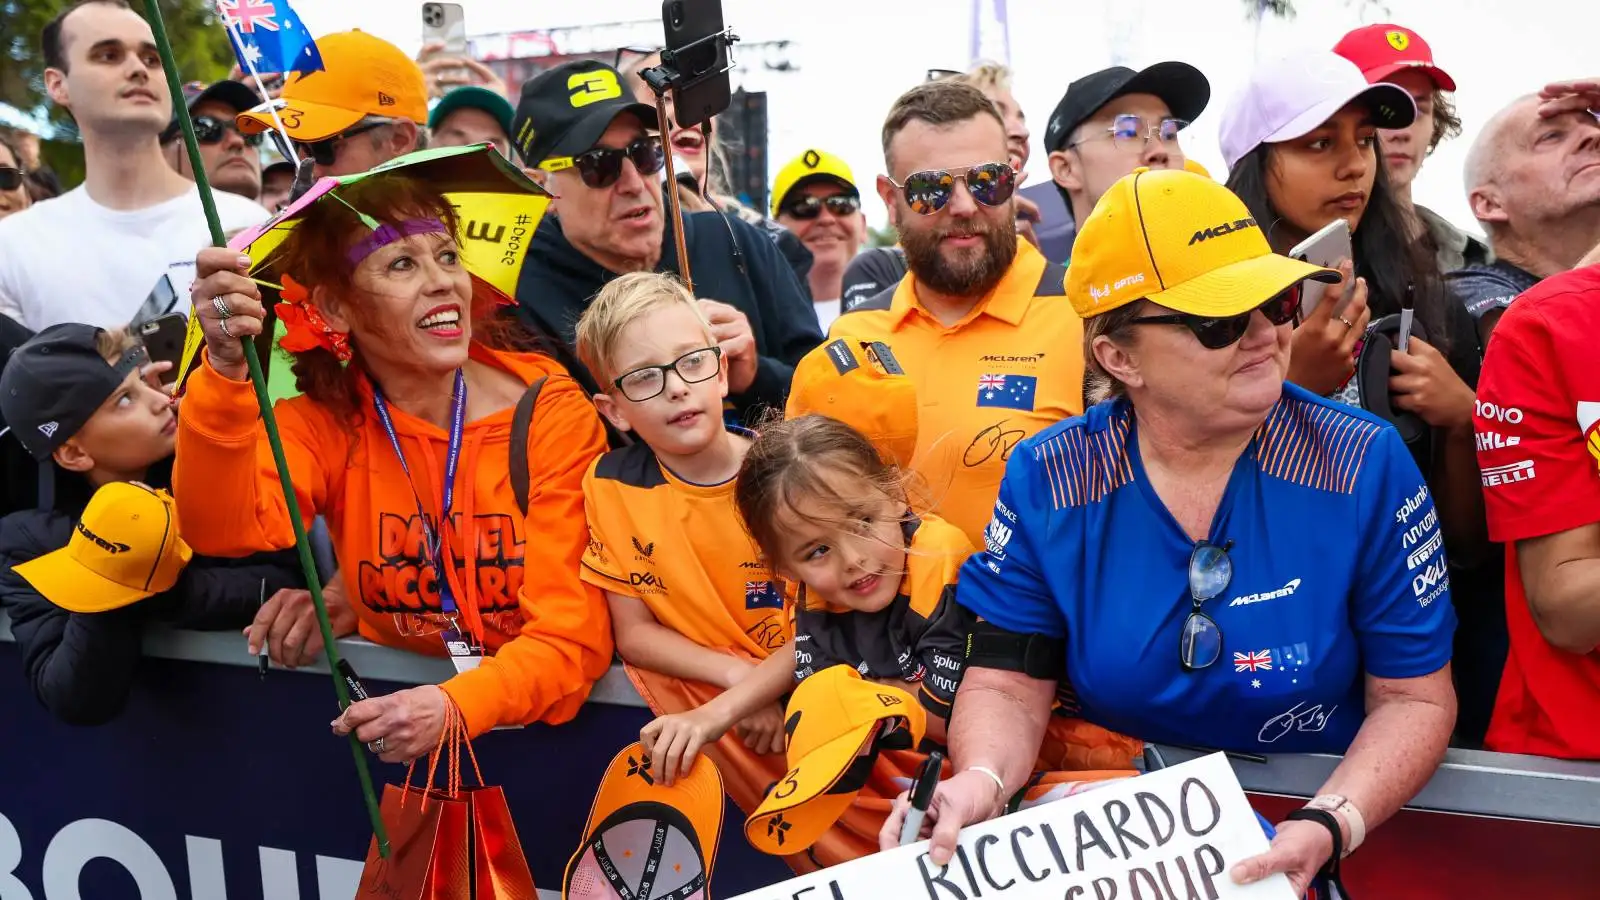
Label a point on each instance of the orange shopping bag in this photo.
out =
(458, 843)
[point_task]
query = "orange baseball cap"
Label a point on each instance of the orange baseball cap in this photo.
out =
(124, 549)
(1180, 240)
(362, 76)
(647, 840)
(1193, 165)
(860, 383)
(837, 723)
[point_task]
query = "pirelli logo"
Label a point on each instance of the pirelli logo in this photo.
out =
(1206, 234)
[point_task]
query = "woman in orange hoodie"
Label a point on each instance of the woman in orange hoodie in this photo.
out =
(402, 440)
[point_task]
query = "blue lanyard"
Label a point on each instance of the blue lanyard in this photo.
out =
(433, 537)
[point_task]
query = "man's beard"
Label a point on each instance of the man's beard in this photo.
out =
(969, 277)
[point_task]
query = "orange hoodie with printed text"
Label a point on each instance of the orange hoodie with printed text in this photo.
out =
(514, 578)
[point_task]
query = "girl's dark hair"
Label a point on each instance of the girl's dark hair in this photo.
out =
(1385, 253)
(315, 254)
(786, 463)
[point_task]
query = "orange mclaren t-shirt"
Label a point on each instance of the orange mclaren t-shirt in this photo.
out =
(680, 548)
(514, 577)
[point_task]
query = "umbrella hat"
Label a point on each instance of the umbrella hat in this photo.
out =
(498, 207)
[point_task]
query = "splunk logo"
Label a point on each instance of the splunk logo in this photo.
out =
(1206, 234)
(60, 863)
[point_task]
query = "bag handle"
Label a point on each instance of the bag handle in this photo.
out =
(450, 737)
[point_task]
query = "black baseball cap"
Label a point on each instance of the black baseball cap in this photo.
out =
(1181, 86)
(56, 381)
(233, 94)
(564, 111)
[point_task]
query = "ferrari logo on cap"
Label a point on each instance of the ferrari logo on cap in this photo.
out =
(1399, 40)
(812, 159)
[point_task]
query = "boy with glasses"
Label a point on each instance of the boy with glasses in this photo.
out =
(232, 158)
(1112, 121)
(366, 107)
(594, 146)
(133, 220)
(815, 197)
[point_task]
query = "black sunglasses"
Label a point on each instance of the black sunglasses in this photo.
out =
(928, 192)
(326, 151)
(10, 178)
(810, 206)
(1216, 333)
(1210, 573)
(208, 130)
(602, 166)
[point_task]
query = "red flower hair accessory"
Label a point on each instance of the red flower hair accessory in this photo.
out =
(304, 327)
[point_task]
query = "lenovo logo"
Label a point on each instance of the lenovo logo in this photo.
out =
(1220, 230)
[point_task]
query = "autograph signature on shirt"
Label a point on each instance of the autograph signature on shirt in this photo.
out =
(994, 439)
(768, 633)
(1299, 718)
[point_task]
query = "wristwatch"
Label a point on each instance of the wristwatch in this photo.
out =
(1352, 817)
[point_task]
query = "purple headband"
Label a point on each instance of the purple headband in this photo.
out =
(386, 234)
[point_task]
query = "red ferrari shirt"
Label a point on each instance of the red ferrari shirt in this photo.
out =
(1538, 424)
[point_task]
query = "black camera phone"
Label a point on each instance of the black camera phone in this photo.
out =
(697, 48)
(163, 339)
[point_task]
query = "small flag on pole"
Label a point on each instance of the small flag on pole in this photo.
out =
(268, 37)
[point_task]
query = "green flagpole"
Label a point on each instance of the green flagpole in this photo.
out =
(258, 378)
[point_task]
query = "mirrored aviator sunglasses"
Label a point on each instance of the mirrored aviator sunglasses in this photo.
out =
(1217, 333)
(602, 166)
(1210, 573)
(928, 192)
(810, 207)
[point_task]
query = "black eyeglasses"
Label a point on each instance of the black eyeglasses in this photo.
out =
(602, 166)
(1216, 333)
(647, 382)
(326, 151)
(810, 206)
(10, 178)
(208, 130)
(1210, 573)
(1129, 129)
(928, 192)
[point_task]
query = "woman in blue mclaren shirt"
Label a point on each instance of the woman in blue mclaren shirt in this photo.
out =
(1214, 557)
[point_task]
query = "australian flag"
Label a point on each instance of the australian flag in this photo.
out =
(268, 37)
(762, 595)
(1007, 391)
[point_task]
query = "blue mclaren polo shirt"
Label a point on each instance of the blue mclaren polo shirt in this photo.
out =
(1338, 571)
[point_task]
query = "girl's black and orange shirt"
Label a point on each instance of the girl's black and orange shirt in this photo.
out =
(919, 637)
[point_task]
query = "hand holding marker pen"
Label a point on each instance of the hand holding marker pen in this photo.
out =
(1406, 314)
(921, 796)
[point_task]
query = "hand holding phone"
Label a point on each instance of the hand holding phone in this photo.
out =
(1328, 247)
(163, 339)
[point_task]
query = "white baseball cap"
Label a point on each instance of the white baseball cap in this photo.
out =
(1290, 97)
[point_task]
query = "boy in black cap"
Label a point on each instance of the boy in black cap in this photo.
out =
(588, 139)
(1094, 141)
(77, 399)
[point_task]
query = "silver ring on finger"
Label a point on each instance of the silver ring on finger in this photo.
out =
(1347, 322)
(223, 324)
(378, 746)
(221, 306)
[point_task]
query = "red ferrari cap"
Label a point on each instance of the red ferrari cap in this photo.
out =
(1382, 50)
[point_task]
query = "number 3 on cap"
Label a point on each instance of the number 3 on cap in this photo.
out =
(592, 87)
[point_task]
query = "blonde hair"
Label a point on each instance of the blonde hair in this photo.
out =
(988, 76)
(620, 304)
(112, 343)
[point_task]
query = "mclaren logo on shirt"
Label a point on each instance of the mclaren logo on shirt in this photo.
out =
(1286, 591)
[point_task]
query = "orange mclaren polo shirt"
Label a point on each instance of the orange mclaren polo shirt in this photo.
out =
(1011, 367)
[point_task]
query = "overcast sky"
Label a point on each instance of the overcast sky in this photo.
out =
(853, 57)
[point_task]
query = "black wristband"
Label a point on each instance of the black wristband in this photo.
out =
(1330, 869)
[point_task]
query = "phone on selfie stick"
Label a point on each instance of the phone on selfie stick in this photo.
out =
(694, 69)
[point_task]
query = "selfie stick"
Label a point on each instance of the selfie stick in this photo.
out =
(302, 544)
(661, 79)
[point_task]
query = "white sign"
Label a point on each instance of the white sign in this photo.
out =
(1169, 835)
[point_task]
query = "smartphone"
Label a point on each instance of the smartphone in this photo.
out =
(703, 89)
(163, 340)
(1329, 247)
(445, 22)
(162, 299)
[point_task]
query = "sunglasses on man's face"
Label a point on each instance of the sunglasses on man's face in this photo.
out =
(10, 178)
(209, 130)
(928, 192)
(1216, 333)
(602, 166)
(326, 151)
(810, 206)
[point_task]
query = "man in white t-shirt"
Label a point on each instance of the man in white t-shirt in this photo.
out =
(131, 230)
